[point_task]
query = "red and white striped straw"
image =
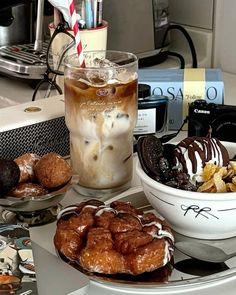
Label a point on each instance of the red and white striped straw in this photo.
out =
(75, 28)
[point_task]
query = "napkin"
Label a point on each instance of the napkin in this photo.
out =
(63, 7)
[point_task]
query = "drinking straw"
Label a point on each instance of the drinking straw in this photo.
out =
(75, 28)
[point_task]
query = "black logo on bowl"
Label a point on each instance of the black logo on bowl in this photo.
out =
(204, 211)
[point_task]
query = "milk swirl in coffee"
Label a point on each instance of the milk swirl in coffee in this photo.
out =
(101, 111)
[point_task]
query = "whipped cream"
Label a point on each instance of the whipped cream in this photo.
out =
(192, 153)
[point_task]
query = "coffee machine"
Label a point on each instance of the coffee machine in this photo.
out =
(16, 22)
(143, 27)
(23, 50)
(138, 26)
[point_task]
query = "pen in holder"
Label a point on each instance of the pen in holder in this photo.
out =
(92, 39)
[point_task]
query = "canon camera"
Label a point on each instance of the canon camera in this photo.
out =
(205, 117)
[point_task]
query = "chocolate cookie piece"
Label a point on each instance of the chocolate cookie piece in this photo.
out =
(9, 175)
(168, 152)
(150, 150)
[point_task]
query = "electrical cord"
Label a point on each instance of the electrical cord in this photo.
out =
(165, 138)
(168, 137)
(179, 56)
(188, 38)
(163, 54)
(155, 59)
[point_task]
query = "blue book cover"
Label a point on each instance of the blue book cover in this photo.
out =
(172, 83)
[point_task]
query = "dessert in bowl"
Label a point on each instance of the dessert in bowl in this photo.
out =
(204, 210)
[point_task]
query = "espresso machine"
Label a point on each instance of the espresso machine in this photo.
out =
(22, 48)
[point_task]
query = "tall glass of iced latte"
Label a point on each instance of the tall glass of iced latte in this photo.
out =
(100, 113)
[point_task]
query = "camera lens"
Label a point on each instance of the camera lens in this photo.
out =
(224, 127)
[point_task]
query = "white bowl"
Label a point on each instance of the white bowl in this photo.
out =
(194, 214)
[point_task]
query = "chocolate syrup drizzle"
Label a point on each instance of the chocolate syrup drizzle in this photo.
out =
(200, 148)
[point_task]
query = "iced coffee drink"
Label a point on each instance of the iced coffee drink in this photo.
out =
(101, 113)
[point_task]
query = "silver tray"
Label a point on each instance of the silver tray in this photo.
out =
(31, 204)
(187, 275)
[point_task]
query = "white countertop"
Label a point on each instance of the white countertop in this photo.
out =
(43, 235)
(18, 90)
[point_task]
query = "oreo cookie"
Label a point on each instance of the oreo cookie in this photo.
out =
(150, 151)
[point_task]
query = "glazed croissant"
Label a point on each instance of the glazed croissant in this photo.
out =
(113, 239)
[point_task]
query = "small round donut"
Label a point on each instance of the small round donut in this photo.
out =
(52, 171)
(26, 164)
(28, 189)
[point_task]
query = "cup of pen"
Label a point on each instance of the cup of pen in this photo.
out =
(92, 39)
(101, 113)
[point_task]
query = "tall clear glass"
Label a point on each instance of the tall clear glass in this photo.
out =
(101, 113)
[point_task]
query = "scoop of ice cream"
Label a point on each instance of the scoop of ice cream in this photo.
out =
(192, 153)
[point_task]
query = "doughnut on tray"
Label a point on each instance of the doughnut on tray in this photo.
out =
(187, 275)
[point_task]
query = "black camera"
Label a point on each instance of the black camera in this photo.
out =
(205, 117)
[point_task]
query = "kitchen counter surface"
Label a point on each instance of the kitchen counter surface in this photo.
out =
(18, 90)
(42, 235)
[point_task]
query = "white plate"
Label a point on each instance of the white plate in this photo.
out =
(188, 275)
